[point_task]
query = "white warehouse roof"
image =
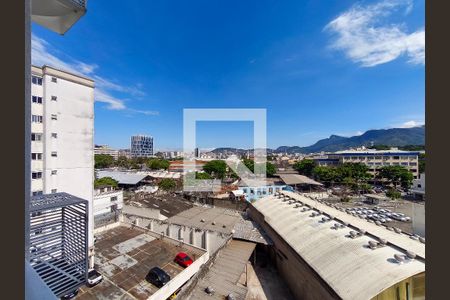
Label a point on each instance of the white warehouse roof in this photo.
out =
(348, 265)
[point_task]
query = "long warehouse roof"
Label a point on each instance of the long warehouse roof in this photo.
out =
(348, 265)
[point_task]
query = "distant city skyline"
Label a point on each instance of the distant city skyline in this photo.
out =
(319, 68)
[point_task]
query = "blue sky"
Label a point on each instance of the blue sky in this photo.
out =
(319, 67)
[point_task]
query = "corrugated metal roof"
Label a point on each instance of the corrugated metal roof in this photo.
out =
(351, 269)
(298, 179)
(224, 274)
(122, 177)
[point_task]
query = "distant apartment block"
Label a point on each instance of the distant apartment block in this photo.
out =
(62, 132)
(124, 152)
(141, 146)
(105, 149)
(373, 159)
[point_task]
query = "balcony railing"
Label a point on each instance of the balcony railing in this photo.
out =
(58, 243)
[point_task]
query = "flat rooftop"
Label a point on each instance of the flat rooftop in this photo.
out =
(124, 255)
(167, 204)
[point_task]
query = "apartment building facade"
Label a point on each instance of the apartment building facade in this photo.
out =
(141, 146)
(375, 159)
(62, 135)
(106, 150)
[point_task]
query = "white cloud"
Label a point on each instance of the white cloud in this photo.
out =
(362, 36)
(41, 55)
(412, 123)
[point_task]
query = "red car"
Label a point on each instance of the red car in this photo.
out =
(183, 259)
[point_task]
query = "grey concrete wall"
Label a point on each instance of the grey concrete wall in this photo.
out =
(205, 239)
(302, 280)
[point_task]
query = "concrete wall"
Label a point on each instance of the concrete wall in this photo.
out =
(205, 239)
(301, 279)
(418, 219)
(102, 202)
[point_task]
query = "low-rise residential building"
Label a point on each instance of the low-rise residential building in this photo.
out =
(125, 152)
(106, 150)
(253, 191)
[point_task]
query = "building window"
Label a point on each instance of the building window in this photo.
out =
(54, 135)
(54, 117)
(419, 185)
(53, 191)
(114, 198)
(36, 136)
(54, 172)
(413, 164)
(36, 156)
(36, 80)
(54, 98)
(36, 175)
(36, 99)
(37, 193)
(36, 119)
(54, 154)
(54, 79)
(396, 157)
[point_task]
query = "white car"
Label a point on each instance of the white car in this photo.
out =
(94, 277)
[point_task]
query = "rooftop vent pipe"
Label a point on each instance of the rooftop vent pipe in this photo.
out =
(399, 258)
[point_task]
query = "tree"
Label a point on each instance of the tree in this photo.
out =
(103, 161)
(167, 184)
(123, 162)
(396, 175)
(105, 181)
(157, 164)
(250, 164)
(393, 194)
(305, 166)
(202, 175)
(328, 175)
(216, 168)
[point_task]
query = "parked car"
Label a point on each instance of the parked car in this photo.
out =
(94, 277)
(157, 277)
(183, 260)
(70, 295)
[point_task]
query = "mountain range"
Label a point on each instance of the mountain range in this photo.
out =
(391, 137)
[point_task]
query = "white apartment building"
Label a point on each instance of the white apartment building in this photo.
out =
(141, 146)
(105, 149)
(62, 135)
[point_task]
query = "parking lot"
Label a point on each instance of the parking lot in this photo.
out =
(124, 256)
(390, 207)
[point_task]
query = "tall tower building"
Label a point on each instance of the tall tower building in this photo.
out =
(141, 146)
